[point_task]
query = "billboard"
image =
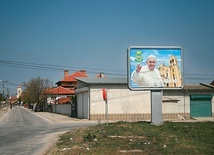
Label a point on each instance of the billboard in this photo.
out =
(155, 67)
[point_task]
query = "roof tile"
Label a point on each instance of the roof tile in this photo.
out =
(72, 77)
(60, 91)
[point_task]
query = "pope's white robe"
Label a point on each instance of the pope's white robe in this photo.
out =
(147, 78)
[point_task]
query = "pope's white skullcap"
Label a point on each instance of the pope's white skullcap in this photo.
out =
(151, 56)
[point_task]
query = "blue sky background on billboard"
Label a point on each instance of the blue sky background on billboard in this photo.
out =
(45, 37)
(162, 56)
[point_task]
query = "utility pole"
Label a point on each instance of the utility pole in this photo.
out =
(3, 87)
(3, 90)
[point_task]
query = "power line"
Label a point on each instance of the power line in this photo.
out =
(200, 75)
(50, 67)
(47, 67)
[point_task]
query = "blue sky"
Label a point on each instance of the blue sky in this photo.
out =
(44, 37)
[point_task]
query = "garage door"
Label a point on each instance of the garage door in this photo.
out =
(200, 105)
(82, 105)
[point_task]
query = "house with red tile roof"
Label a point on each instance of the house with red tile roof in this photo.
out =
(69, 81)
(67, 85)
(65, 90)
(64, 100)
(60, 91)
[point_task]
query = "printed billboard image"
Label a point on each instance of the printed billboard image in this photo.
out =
(155, 68)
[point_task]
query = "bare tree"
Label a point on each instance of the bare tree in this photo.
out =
(34, 91)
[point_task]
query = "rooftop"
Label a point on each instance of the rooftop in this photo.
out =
(123, 80)
(59, 91)
(109, 80)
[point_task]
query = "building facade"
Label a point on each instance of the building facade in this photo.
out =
(171, 72)
(19, 92)
(126, 105)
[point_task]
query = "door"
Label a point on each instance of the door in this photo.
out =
(83, 105)
(200, 105)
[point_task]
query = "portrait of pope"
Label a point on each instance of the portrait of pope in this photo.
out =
(148, 75)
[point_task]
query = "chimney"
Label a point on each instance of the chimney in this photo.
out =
(101, 75)
(83, 71)
(66, 73)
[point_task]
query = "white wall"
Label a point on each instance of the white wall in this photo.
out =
(181, 106)
(213, 106)
(64, 109)
(121, 100)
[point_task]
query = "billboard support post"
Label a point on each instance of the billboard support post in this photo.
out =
(156, 107)
(106, 103)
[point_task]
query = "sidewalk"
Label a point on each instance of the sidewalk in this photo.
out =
(4, 110)
(63, 118)
(53, 117)
(198, 119)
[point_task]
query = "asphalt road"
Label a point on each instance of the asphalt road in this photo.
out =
(23, 132)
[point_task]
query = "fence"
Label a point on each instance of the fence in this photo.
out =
(64, 109)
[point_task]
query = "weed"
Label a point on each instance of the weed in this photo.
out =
(89, 137)
(139, 138)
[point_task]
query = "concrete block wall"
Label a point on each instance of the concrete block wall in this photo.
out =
(64, 109)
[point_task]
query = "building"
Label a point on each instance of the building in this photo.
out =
(90, 103)
(193, 101)
(171, 74)
(19, 92)
(65, 87)
(126, 105)
(63, 94)
(69, 81)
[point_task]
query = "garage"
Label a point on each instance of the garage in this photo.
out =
(201, 105)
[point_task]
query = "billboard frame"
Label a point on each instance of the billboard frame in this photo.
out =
(141, 48)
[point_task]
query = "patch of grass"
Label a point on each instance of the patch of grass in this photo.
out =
(138, 138)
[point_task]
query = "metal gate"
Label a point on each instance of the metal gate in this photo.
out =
(83, 105)
(200, 105)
